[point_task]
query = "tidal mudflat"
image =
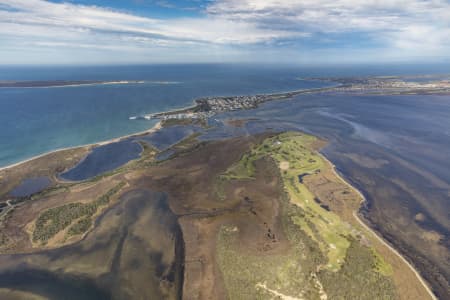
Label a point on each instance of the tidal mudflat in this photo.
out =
(168, 136)
(237, 209)
(233, 205)
(394, 149)
(130, 253)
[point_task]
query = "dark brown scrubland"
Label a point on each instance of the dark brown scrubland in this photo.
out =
(159, 235)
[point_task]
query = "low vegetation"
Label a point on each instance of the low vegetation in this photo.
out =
(327, 257)
(294, 154)
(248, 275)
(56, 219)
(357, 278)
(81, 226)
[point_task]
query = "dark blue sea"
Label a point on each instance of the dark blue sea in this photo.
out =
(395, 149)
(37, 120)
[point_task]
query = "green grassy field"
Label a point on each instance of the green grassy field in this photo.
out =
(322, 244)
(292, 152)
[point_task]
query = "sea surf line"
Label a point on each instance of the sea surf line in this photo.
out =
(153, 129)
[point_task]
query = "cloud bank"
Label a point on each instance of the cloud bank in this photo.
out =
(37, 31)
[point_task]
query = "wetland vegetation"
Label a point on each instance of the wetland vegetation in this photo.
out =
(52, 221)
(236, 223)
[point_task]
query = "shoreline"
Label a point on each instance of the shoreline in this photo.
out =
(374, 233)
(64, 84)
(81, 84)
(355, 214)
(277, 95)
(153, 129)
(359, 219)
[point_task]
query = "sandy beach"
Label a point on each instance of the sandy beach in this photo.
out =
(375, 234)
(158, 126)
(155, 128)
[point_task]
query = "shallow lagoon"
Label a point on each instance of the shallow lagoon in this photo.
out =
(103, 159)
(394, 148)
(30, 186)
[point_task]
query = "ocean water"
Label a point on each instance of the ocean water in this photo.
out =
(37, 120)
(395, 149)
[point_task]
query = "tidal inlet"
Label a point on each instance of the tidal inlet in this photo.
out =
(224, 150)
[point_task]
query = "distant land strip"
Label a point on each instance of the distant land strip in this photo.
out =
(67, 83)
(207, 107)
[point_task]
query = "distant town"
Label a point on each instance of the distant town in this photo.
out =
(207, 107)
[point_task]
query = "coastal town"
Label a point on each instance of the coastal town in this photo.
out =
(207, 107)
(391, 84)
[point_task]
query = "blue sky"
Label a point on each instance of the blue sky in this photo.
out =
(164, 9)
(189, 31)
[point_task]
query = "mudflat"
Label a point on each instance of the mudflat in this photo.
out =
(256, 216)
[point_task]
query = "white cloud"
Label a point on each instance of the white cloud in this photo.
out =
(415, 27)
(331, 14)
(396, 22)
(73, 17)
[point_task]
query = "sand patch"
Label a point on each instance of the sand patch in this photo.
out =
(277, 294)
(284, 165)
(420, 217)
(431, 236)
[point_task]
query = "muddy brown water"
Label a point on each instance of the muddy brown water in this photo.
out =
(134, 246)
(395, 149)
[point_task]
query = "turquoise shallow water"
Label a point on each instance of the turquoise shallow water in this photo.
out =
(393, 148)
(37, 120)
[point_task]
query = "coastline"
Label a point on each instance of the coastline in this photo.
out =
(158, 126)
(95, 83)
(153, 129)
(193, 106)
(375, 234)
(68, 84)
(282, 95)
